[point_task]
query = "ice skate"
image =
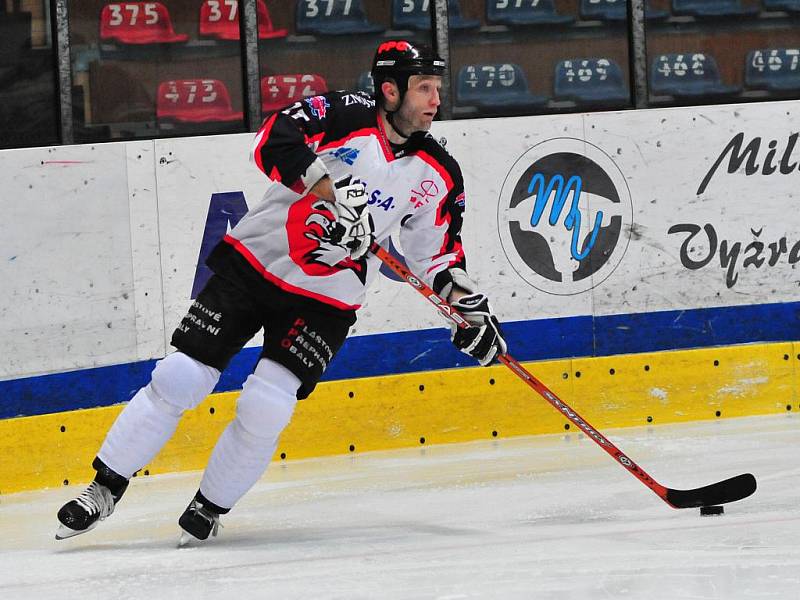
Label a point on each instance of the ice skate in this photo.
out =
(198, 522)
(93, 505)
(83, 513)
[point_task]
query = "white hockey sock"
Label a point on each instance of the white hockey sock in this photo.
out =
(137, 435)
(150, 418)
(245, 448)
(238, 461)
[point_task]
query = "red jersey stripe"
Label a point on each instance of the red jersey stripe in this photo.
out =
(284, 285)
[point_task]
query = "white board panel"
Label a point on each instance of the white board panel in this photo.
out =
(666, 156)
(491, 153)
(100, 242)
(145, 250)
(65, 260)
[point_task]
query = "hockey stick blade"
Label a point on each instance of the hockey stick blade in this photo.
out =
(722, 492)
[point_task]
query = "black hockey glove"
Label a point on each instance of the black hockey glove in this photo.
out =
(484, 339)
(354, 228)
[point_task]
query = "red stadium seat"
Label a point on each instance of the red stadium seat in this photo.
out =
(220, 19)
(266, 30)
(195, 101)
(138, 23)
(278, 91)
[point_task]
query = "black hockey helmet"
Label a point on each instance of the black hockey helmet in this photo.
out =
(400, 59)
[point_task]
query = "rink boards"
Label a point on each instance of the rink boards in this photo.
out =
(434, 407)
(665, 239)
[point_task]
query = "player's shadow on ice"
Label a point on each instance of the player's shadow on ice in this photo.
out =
(396, 531)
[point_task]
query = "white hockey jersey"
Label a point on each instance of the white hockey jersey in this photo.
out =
(416, 188)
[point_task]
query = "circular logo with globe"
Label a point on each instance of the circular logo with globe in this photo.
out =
(565, 216)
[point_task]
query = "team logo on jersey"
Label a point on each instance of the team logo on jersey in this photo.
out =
(460, 200)
(319, 106)
(424, 192)
(565, 216)
(346, 155)
(309, 226)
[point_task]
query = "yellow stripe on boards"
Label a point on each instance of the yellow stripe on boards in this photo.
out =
(436, 407)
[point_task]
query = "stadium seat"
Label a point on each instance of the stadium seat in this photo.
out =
(713, 8)
(195, 101)
(615, 11)
(219, 19)
(688, 75)
(499, 86)
(773, 69)
(530, 12)
(138, 23)
(415, 14)
(278, 91)
(591, 82)
(792, 6)
(365, 83)
(333, 17)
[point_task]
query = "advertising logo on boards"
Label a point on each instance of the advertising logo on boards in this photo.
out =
(564, 216)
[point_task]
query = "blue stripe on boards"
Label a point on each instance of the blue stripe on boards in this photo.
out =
(698, 328)
(60, 392)
(427, 349)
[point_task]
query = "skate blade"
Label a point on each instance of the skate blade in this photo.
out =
(63, 532)
(186, 539)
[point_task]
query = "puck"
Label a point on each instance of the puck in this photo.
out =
(707, 511)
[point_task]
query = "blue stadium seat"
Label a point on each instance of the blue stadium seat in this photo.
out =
(497, 86)
(333, 17)
(615, 11)
(773, 69)
(415, 14)
(713, 8)
(365, 83)
(591, 82)
(528, 12)
(688, 75)
(792, 6)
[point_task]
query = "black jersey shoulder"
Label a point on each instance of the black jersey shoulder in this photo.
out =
(425, 142)
(348, 111)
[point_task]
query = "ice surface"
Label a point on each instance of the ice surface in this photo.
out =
(534, 518)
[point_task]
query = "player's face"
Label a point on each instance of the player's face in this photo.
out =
(420, 103)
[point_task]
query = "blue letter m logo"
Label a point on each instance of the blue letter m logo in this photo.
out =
(560, 192)
(224, 210)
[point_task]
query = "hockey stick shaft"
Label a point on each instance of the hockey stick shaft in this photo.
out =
(726, 491)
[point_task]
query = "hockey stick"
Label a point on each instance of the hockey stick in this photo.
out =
(721, 492)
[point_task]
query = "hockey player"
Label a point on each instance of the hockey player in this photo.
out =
(345, 169)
